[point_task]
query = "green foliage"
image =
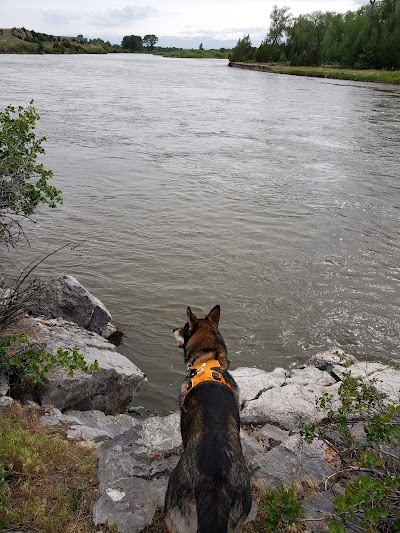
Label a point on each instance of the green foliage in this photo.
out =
(365, 39)
(134, 43)
(149, 41)
(22, 41)
(243, 51)
(23, 182)
(32, 366)
(371, 499)
(193, 54)
(281, 19)
(281, 509)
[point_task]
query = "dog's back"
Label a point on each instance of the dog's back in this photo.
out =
(209, 490)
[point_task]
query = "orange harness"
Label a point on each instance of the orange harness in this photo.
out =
(204, 372)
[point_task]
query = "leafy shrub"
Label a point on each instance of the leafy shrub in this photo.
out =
(23, 182)
(29, 365)
(281, 509)
(370, 460)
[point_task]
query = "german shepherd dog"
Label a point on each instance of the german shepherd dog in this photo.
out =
(209, 490)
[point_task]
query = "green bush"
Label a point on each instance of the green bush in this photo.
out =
(370, 461)
(31, 366)
(23, 181)
(281, 508)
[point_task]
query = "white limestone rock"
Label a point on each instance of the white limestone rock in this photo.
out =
(111, 389)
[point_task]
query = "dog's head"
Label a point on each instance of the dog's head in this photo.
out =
(200, 336)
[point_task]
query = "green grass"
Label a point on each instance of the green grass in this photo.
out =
(195, 54)
(9, 44)
(47, 483)
(378, 76)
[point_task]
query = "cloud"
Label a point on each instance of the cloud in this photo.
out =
(225, 34)
(56, 16)
(116, 16)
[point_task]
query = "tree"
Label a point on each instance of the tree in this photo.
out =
(243, 51)
(149, 41)
(23, 182)
(281, 19)
(201, 46)
(133, 43)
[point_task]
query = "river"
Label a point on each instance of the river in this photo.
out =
(189, 183)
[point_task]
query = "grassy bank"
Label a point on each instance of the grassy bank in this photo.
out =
(10, 44)
(377, 76)
(194, 54)
(47, 483)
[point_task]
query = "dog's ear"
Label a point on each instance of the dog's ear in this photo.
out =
(192, 319)
(213, 315)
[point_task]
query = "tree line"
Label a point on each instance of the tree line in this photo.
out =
(80, 44)
(363, 39)
(135, 43)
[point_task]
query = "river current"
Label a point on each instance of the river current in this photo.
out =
(186, 182)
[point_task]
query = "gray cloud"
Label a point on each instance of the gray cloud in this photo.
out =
(56, 16)
(117, 16)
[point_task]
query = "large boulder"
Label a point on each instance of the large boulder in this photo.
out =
(111, 389)
(66, 298)
(284, 399)
(133, 473)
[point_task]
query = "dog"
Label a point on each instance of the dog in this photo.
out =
(209, 490)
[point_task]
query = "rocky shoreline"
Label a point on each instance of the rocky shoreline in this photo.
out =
(135, 457)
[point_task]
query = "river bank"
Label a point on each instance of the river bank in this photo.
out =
(376, 76)
(136, 456)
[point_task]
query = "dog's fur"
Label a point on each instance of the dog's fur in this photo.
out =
(209, 490)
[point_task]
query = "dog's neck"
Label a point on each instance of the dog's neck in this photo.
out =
(201, 358)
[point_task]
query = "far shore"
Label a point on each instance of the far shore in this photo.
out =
(376, 76)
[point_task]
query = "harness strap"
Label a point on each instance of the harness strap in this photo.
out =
(207, 371)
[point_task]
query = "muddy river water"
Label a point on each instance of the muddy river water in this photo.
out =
(186, 182)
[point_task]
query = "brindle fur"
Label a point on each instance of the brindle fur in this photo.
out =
(209, 490)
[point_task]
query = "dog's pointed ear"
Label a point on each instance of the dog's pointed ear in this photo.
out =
(213, 315)
(192, 319)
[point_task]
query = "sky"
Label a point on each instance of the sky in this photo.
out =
(181, 23)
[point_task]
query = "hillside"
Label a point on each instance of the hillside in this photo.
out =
(22, 41)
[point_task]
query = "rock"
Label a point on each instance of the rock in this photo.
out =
(286, 406)
(253, 381)
(294, 459)
(388, 379)
(5, 401)
(133, 473)
(111, 425)
(270, 432)
(317, 507)
(111, 389)
(4, 385)
(80, 432)
(66, 298)
(335, 356)
(310, 376)
(252, 448)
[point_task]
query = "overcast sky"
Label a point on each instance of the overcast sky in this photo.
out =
(175, 22)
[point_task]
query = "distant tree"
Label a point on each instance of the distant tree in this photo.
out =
(243, 51)
(201, 46)
(149, 41)
(281, 19)
(133, 43)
